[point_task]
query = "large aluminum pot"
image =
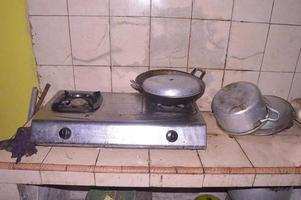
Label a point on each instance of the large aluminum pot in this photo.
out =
(240, 108)
(170, 87)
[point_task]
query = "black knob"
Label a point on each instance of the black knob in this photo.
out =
(65, 133)
(171, 136)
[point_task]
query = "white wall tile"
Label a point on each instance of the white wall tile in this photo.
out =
(121, 77)
(275, 83)
(130, 41)
(59, 77)
(282, 49)
(208, 43)
(130, 7)
(235, 76)
(212, 9)
(90, 40)
(287, 12)
(88, 7)
(50, 38)
(296, 87)
(169, 43)
(92, 78)
(172, 8)
(252, 10)
(246, 45)
(47, 7)
(213, 81)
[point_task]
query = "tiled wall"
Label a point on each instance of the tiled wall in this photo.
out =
(102, 44)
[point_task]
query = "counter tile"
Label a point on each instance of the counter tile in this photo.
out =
(223, 151)
(72, 156)
(176, 180)
(272, 151)
(174, 158)
(122, 157)
(229, 180)
(212, 127)
(277, 180)
(67, 178)
(20, 176)
(122, 179)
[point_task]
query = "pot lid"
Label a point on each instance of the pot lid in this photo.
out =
(172, 85)
(236, 97)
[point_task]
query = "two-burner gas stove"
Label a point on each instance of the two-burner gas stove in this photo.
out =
(80, 118)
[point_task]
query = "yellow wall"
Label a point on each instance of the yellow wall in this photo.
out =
(17, 66)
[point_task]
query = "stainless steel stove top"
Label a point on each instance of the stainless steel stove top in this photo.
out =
(122, 120)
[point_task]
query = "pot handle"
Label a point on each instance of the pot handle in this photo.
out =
(135, 85)
(271, 119)
(193, 72)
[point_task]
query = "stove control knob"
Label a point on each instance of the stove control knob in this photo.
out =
(171, 136)
(65, 133)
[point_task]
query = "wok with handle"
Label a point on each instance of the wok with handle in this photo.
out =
(170, 87)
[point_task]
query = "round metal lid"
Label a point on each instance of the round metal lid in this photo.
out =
(236, 97)
(173, 85)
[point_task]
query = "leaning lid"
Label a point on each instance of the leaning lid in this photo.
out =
(172, 85)
(236, 97)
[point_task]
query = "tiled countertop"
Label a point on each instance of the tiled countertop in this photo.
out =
(228, 161)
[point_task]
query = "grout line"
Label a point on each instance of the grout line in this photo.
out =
(110, 45)
(291, 86)
(149, 173)
(40, 171)
(266, 42)
(189, 37)
(150, 35)
(228, 43)
(202, 165)
(244, 152)
(70, 42)
(95, 166)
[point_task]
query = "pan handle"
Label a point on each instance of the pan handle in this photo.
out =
(135, 85)
(198, 70)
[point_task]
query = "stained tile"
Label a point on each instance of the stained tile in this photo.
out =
(298, 68)
(38, 157)
(213, 81)
(287, 12)
(129, 7)
(295, 90)
(93, 78)
(212, 9)
(90, 40)
(176, 180)
(122, 180)
(208, 43)
(275, 83)
(130, 41)
(72, 155)
(235, 76)
(50, 38)
(9, 191)
(20, 176)
(246, 45)
(121, 77)
(254, 11)
(88, 7)
(172, 8)
(282, 49)
(172, 68)
(169, 43)
(47, 7)
(172, 158)
(228, 180)
(122, 157)
(59, 77)
(267, 180)
(223, 151)
(212, 127)
(67, 178)
(272, 151)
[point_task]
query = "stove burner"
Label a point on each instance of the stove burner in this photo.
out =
(77, 102)
(153, 107)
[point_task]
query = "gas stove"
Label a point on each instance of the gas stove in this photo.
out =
(81, 118)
